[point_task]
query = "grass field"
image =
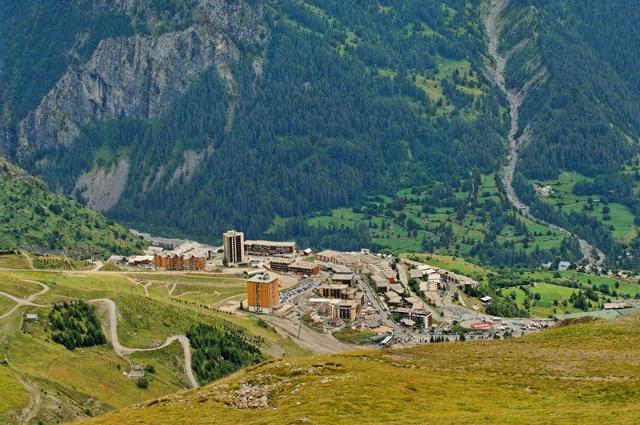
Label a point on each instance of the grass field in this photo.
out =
(389, 227)
(620, 217)
(11, 400)
(13, 285)
(13, 261)
(353, 336)
(572, 374)
(549, 293)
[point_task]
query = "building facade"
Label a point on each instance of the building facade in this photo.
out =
(270, 248)
(172, 261)
(233, 243)
(263, 293)
(289, 265)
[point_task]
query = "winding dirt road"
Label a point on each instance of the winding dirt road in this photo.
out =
(515, 98)
(122, 351)
(25, 301)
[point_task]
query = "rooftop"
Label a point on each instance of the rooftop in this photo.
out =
(271, 243)
(263, 278)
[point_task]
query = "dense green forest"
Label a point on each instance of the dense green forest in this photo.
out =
(353, 99)
(76, 324)
(343, 102)
(218, 352)
(582, 116)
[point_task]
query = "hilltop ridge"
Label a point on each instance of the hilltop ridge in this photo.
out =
(577, 373)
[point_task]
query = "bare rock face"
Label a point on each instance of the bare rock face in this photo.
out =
(7, 141)
(101, 188)
(140, 77)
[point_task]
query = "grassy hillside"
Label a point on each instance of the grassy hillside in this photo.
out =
(571, 374)
(89, 381)
(472, 218)
(33, 217)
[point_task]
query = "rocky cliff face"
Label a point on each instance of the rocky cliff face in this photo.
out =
(140, 77)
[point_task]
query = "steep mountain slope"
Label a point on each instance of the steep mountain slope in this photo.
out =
(246, 111)
(31, 217)
(579, 114)
(576, 373)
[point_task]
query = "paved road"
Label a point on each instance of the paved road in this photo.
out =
(515, 98)
(382, 316)
(314, 341)
(122, 351)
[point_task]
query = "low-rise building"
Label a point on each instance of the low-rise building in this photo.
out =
(289, 265)
(393, 299)
(270, 248)
(174, 261)
(140, 260)
(346, 310)
(342, 278)
(380, 283)
(421, 318)
(337, 308)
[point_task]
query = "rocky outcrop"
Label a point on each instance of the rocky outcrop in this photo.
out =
(8, 141)
(102, 187)
(140, 77)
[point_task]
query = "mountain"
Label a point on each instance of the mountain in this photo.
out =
(283, 117)
(33, 218)
(575, 373)
(570, 62)
(169, 113)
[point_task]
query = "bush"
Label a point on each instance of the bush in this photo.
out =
(142, 382)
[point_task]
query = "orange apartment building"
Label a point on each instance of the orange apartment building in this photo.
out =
(263, 293)
(168, 261)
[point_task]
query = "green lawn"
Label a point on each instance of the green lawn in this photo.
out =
(549, 293)
(14, 395)
(625, 288)
(14, 285)
(353, 336)
(621, 217)
(13, 261)
(390, 231)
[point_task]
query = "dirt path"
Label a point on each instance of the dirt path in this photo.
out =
(25, 301)
(515, 98)
(35, 400)
(122, 351)
(97, 265)
(145, 286)
(28, 259)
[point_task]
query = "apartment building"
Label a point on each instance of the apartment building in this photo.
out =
(233, 243)
(263, 292)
